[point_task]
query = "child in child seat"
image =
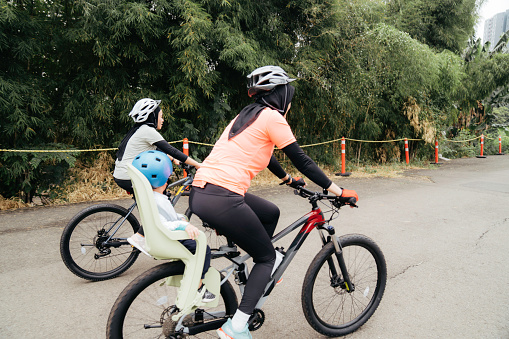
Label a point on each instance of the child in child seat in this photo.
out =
(156, 167)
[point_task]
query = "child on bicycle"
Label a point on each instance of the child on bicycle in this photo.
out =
(143, 136)
(156, 167)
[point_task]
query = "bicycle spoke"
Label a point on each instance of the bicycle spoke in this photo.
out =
(330, 308)
(145, 307)
(85, 247)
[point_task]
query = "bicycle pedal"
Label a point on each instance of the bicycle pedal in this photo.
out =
(232, 254)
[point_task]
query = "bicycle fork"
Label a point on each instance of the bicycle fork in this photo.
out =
(336, 281)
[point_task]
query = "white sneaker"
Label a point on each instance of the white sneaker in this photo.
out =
(207, 296)
(138, 241)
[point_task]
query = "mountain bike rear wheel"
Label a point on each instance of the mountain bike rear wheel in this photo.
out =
(93, 248)
(145, 306)
(327, 305)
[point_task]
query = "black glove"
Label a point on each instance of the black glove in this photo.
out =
(294, 182)
(348, 197)
(298, 181)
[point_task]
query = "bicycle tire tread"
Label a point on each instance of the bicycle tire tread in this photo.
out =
(71, 226)
(310, 276)
(131, 291)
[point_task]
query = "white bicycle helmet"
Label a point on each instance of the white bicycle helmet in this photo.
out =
(265, 78)
(143, 108)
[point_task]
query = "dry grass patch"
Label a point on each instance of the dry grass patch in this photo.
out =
(95, 182)
(91, 183)
(12, 203)
(388, 170)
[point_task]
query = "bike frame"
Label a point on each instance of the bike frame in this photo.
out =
(116, 242)
(306, 223)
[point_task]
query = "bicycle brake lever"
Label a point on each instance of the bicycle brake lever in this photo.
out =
(299, 193)
(186, 166)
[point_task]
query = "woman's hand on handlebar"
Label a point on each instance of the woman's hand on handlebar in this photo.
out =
(192, 162)
(186, 167)
(344, 196)
(297, 182)
(348, 197)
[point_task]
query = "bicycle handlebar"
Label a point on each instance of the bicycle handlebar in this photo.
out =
(184, 180)
(337, 201)
(186, 167)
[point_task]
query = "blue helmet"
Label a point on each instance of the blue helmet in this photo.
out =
(155, 166)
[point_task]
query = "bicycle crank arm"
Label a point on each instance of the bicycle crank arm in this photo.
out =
(208, 326)
(115, 243)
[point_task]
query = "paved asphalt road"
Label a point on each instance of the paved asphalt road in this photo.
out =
(444, 233)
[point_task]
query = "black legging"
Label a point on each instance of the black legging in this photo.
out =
(249, 221)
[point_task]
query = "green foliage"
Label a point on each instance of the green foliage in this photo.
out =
(28, 174)
(500, 117)
(472, 148)
(488, 77)
(441, 24)
(491, 144)
(459, 148)
(70, 71)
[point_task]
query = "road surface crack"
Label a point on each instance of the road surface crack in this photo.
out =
(489, 229)
(406, 269)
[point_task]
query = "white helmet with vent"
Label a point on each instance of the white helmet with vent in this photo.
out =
(143, 108)
(265, 78)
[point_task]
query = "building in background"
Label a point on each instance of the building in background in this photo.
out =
(495, 27)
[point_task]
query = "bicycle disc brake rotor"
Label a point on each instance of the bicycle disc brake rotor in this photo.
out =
(339, 285)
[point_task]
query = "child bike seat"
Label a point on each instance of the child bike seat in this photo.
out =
(162, 243)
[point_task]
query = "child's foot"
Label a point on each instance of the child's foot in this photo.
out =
(138, 241)
(207, 296)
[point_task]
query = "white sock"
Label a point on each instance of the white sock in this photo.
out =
(239, 320)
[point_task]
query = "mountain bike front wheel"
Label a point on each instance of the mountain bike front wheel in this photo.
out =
(145, 306)
(328, 307)
(94, 243)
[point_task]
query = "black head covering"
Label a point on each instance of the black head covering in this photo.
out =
(279, 98)
(151, 121)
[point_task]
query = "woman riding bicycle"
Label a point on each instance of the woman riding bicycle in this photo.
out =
(143, 136)
(219, 195)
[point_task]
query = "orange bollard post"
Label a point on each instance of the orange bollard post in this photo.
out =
(482, 147)
(500, 146)
(185, 149)
(406, 151)
(436, 154)
(343, 155)
(343, 160)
